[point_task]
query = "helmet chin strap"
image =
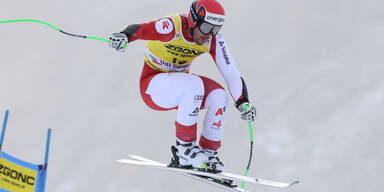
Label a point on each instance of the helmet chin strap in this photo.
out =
(191, 31)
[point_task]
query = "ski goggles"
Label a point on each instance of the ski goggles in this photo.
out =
(207, 28)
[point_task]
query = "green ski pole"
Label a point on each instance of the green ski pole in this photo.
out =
(54, 27)
(251, 149)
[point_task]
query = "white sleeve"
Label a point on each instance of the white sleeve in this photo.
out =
(227, 68)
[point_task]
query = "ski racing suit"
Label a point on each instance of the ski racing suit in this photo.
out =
(166, 83)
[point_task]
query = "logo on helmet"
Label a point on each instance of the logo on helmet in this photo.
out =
(206, 11)
(202, 13)
(215, 19)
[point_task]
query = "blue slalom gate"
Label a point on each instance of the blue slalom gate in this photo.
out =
(20, 176)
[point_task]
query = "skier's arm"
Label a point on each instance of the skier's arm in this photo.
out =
(236, 84)
(161, 30)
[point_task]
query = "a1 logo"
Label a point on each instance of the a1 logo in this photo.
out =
(164, 26)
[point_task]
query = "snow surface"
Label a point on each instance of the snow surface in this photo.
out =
(314, 70)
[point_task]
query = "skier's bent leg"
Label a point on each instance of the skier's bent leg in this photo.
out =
(214, 120)
(213, 125)
(187, 92)
(177, 90)
(184, 92)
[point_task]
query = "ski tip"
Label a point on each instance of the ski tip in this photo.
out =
(296, 182)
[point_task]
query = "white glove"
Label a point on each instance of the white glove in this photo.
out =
(118, 41)
(247, 111)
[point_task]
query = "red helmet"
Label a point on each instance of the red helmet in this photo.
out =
(208, 15)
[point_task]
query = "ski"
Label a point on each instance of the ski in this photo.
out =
(233, 188)
(204, 179)
(141, 161)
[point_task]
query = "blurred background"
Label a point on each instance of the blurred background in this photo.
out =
(314, 70)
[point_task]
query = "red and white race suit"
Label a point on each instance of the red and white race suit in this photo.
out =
(166, 83)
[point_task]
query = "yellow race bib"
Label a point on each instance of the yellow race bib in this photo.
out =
(175, 55)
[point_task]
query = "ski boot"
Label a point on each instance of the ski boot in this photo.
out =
(214, 164)
(188, 155)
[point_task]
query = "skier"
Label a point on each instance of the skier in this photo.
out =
(173, 43)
